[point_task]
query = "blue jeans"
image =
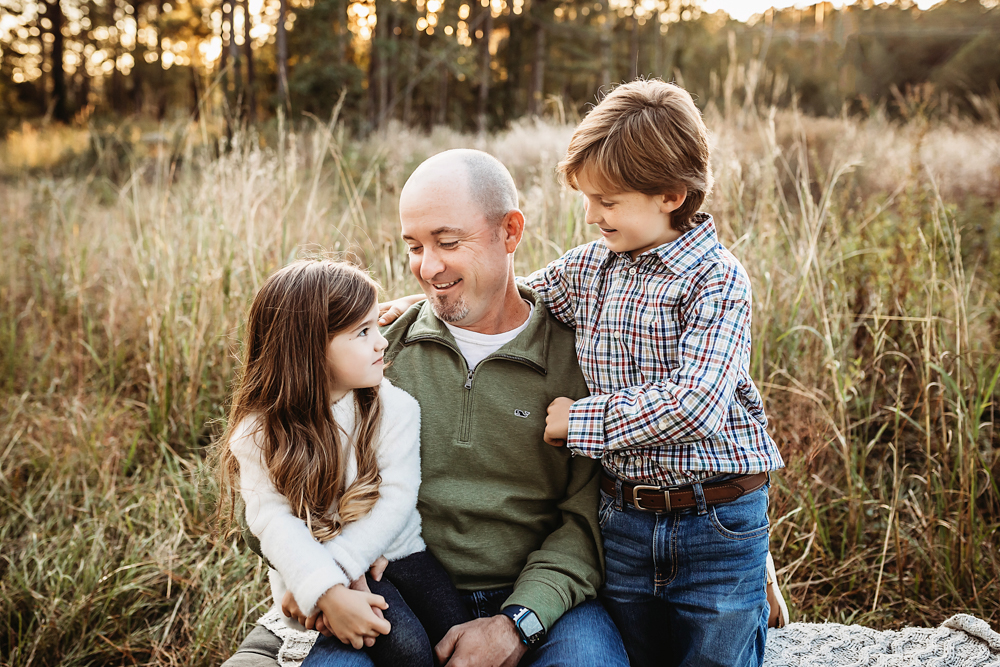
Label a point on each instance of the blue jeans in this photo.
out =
(688, 587)
(584, 636)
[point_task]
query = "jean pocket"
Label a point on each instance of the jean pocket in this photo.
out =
(742, 519)
(606, 508)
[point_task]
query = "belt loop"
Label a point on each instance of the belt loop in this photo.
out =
(699, 498)
(619, 497)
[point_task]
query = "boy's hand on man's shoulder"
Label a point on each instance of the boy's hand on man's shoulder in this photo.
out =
(557, 422)
(389, 311)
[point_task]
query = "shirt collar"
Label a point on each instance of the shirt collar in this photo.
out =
(681, 254)
(530, 346)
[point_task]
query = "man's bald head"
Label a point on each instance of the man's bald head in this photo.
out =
(485, 181)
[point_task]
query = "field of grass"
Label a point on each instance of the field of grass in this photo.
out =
(128, 256)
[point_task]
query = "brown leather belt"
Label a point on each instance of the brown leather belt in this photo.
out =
(659, 499)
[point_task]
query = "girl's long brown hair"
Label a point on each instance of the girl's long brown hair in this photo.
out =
(284, 386)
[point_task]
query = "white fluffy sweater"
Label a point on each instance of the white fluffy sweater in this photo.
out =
(299, 562)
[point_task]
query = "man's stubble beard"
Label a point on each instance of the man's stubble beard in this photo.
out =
(450, 311)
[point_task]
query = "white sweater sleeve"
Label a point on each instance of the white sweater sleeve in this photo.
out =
(364, 540)
(305, 566)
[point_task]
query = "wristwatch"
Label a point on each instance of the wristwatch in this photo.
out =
(528, 626)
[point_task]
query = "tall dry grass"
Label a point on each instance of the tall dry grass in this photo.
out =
(127, 265)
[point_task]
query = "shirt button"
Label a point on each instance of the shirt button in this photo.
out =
(632, 272)
(647, 318)
(618, 335)
(663, 424)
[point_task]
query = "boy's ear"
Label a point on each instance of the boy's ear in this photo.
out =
(672, 201)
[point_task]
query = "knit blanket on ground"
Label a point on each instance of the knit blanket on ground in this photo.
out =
(295, 644)
(961, 641)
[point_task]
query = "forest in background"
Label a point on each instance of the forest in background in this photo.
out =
(477, 65)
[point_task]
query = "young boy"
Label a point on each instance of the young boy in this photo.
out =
(662, 316)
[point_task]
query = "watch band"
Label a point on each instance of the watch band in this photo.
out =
(528, 626)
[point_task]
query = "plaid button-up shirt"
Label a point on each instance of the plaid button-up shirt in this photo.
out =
(664, 344)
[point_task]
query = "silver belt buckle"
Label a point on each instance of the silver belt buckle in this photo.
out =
(644, 487)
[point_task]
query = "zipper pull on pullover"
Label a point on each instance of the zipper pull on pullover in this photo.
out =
(468, 380)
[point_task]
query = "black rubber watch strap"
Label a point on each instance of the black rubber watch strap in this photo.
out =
(529, 628)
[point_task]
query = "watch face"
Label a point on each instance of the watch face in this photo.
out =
(530, 625)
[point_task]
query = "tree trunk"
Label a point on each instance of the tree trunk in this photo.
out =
(378, 82)
(394, 62)
(60, 105)
(251, 96)
(161, 73)
(668, 66)
(234, 54)
(607, 49)
(137, 54)
(485, 73)
(381, 43)
(509, 101)
(84, 97)
(281, 39)
(536, 94)
(224, 32)
(442, 110)
(228, 37)
(414, 68)
(633, 49)
(195, 93)
(657, 38)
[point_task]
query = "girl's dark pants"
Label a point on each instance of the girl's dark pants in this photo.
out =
(423, 606)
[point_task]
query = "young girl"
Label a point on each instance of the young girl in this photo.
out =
(326, 453)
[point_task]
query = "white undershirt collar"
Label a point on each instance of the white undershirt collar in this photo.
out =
(476, 346)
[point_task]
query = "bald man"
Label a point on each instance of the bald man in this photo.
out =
(513, 521)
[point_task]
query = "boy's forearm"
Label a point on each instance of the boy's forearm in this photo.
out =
(655, 414)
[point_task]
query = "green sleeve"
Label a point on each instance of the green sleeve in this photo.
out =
(568, 568)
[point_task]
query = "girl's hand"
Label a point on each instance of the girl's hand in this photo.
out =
(348, 613)
(361, 584)
(557, 422)
(390, 311)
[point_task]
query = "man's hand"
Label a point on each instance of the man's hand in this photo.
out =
(348, 614)
(390, 311)
(483, 642)
(290, 608)
(557, 422)
(378, 568)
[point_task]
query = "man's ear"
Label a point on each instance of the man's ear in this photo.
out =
(673, 201)
(512, 229)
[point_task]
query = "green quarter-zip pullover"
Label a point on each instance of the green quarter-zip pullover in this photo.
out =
(500, 507)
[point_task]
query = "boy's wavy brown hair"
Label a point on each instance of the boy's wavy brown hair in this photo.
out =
(645, 136)
(284, 387)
